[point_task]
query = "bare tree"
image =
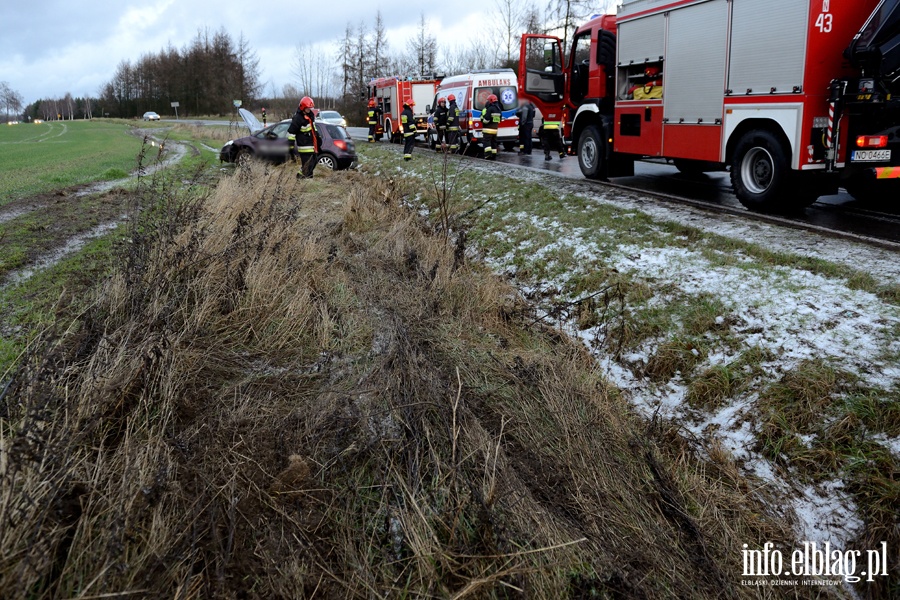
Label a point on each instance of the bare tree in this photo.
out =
(511, 15)
(10, 98)
(423, 50)
(379, 46)
(566, 15)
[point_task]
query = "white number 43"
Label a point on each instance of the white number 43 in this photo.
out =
(824, 22)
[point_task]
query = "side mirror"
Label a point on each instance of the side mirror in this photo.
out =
(271, 136)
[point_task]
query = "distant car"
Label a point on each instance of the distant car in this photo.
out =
(331, 116)
(151, 116)
(270, 143)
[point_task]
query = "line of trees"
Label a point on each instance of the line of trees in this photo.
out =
(203, 77)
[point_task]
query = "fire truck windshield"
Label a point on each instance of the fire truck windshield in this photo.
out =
(506, 94)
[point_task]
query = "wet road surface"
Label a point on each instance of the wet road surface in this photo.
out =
(840, 212)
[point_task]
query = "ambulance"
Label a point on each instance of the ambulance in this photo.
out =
(472, 91)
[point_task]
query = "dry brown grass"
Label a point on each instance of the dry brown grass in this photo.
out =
(297, 390)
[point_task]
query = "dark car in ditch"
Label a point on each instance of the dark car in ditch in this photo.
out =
(270, 143)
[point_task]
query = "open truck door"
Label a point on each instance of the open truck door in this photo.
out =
(542, 78)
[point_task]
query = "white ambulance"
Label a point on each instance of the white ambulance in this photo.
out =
(472, 91)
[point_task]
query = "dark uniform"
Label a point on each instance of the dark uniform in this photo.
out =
(490, 125)
(373, 117)
(453, 125)
(408, 124)
(526, 127)
(440, 123)
(302, 134)
(551, 138)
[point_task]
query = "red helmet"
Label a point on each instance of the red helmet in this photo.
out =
(492, 98)
(306, 102)
(451, 98)
(651, 71)
(442, 101)
(409, 103)
(371, 102)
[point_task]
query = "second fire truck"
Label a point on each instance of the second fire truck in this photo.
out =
(794, 97)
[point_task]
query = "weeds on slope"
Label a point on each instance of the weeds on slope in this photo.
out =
(298, 389)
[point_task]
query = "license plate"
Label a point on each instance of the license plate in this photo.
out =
(870, 155)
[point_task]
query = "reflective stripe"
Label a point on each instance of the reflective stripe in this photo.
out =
(551, 125)
(490, 131)
(305, 149)
(306, 129)
(291, 137)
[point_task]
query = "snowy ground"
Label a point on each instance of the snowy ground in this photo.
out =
(793, 313)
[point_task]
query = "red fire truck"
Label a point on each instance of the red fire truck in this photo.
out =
(795, 97)
(391, 92)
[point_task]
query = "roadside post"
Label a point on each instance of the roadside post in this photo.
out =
(175, 105)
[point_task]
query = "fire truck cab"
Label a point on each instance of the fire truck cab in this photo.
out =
(391, 92)
(794, 97)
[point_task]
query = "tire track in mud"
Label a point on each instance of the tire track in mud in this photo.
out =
(174, 151)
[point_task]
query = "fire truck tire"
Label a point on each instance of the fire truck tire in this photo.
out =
(760, 171)
(591, 153)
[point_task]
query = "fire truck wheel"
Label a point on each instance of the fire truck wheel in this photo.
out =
(591, 153)
(759, 170)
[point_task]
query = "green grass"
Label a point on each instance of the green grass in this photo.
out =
(40, 158)
(49, 295)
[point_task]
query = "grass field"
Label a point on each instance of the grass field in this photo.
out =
(45, 157)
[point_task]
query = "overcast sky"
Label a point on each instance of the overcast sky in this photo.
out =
(51, 47)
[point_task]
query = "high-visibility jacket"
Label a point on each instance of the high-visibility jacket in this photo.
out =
(302, 130)
(440, 116)
(408, 122)
(552, 125)
(490, 118)
(373, 115)
(453, 116)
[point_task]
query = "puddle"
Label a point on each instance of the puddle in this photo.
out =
(49, 259)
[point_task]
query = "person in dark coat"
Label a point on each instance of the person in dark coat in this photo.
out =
(551, 138)
(373, 117)
(303, 139)
(408, 124)
(440, 123)
(526, 126)
(490, 126)
(453, 124)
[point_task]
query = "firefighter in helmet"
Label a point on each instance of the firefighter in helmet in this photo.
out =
(303, 139)
(453, 124)
(264, 115)
(490, 125)
(373, 117)
(408, 123)
(551, 137)
(440, 123)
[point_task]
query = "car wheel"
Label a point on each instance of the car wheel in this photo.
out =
(327, 161)
(244, 156)
(760, 171)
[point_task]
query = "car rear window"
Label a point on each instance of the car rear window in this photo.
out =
(337, 133)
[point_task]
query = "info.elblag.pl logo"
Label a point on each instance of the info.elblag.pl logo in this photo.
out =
(813, 562)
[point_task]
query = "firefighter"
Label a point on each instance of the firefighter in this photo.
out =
(551, 138)
(408, 124)
(373, 117)
(526, 126)
(490, 125)
(453, 124)
(440, 123)
(303, 139)
(264, 116)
